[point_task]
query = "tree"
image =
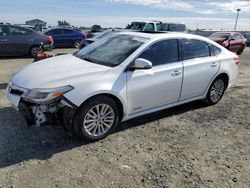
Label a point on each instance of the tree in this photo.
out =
(63, 23)
(96, 28)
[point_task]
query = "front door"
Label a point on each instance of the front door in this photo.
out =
(160, 85)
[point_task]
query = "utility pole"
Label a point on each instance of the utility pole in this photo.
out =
(236, 21)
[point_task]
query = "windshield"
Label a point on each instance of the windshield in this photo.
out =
(136, 26)
(220, 35)
(103, 34)
(111, 51)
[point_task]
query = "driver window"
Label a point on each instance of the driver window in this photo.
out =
(161, 52)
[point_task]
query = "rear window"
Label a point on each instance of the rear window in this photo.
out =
(195, 49)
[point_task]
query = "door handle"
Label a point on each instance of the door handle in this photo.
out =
(214, 64)
(30, 40)
(4, 40)
(176, 73)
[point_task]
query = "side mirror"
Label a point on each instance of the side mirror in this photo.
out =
(141, 63)
(232, 39)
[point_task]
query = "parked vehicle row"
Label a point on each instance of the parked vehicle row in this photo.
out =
(17, 40)
(120, 77)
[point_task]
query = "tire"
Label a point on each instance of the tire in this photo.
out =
(91, 126)
(34, 50)
(216, 91)
(240, 51)
(77, 44)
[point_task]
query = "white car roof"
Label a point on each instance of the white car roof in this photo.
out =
(159, 35)
(167, 35)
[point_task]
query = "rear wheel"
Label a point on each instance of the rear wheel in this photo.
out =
(34, 50)
(77, 44)
(96, 118)
(216, 91)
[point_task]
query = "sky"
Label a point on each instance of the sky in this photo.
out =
(202, 14)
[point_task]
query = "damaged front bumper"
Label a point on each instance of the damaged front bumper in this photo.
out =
(57, 110)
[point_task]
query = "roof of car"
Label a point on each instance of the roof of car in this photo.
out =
(158, 35)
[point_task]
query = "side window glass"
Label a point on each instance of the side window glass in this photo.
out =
(233, 37)
(3, 31)
(162, 52)
(149, 27)
(239, 37)
(215, 50)
(54, 32)
(159, 27)
(195, 49)
(19, 31)
(67, 31)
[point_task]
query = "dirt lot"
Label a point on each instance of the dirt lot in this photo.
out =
(193, 145)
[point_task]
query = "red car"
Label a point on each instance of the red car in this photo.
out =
(233, 41)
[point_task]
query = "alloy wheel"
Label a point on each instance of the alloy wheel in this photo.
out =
(99, 119)
(217, 90)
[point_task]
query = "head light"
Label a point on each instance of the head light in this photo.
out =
(46, 95)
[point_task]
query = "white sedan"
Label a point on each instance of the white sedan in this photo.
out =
(124, 76)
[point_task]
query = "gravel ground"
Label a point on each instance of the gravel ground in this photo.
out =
(192, 145)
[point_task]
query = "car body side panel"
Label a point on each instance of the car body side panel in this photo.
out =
(197, 75)
(154, 87)
(108, 84)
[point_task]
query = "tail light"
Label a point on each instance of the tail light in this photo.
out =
(50, 39)
(237, 60)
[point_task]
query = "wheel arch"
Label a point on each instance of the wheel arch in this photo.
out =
(224, 76)
(116, 99)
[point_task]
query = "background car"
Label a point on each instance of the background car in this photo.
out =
(247, 37)
(233, 41)
(66, 37)
(17, 40)
(88, 41)
(151, 26)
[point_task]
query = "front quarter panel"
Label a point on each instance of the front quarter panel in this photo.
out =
(113, 83)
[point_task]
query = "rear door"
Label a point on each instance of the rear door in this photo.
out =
(200, 66)
(4, 36)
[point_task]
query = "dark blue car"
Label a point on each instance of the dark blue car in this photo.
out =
(65, 37)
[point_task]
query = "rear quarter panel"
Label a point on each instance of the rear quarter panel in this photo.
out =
(228, 66)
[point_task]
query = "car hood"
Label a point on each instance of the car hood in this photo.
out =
(58, 71)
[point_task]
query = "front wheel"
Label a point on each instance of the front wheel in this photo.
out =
(96, 118)
(240, 51)
(216, 91)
